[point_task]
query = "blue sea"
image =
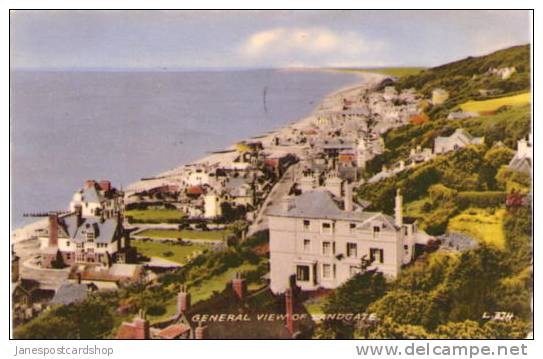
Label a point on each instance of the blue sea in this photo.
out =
(69, 126)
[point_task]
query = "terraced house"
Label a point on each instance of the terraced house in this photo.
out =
(320, 241)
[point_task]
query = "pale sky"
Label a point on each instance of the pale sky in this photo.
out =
(204, 39)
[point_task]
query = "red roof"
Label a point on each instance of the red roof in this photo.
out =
(127, 331)
(195, 190)
(173, 331)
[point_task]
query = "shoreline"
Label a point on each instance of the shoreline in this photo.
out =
(366, 80)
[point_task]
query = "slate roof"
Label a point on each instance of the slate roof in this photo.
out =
(320, 204)
(104, 232)
(70, 293)
(461, 136)
(91, 194)
(457, 241)
(521, 164)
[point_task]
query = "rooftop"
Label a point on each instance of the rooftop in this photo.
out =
(320, 204)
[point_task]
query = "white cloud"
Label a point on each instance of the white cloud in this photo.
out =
(309, 46)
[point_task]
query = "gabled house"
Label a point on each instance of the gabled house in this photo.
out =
(522, 161)
(98, 199)
(459, 139)
(74, 239)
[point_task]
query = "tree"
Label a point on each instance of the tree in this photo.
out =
(468, 329)
(390, 329)
(354, 296)
(406, 307)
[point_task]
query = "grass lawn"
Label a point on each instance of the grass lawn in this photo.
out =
(179, 254)
(481, 225)
(414, 208)
(204, 290)
(494, 104)
(161, 215)
(184, 234)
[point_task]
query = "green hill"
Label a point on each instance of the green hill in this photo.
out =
(470, 79)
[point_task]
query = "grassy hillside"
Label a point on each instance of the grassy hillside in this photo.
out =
(391, 71)
(495, 104)
(507, 126)
(395, 71)
(468, 79)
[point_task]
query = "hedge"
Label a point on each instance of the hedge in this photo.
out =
(480, 199)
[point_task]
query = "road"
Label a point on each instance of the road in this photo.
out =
(278, 191)
(48, 278)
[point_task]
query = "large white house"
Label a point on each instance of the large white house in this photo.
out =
(320, 242)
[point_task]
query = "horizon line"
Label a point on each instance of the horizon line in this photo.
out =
(210, 68)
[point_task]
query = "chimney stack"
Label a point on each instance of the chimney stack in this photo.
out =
(287, 204)
(141, 328)
(89, 183)
(289, 310)
(348, 200)
(53, 229)
(239, 286)
(183, 300)
(105, 185)
(398, 210)
(79, 214)
(200, 331)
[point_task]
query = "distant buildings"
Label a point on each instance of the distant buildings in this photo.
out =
(321, 244)
(503, 73)
(461, 115)
(459, 139)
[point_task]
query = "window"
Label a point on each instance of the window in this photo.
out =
(302, 273)
(326, 248)
(307, 245)
(90, 236)
(352, 250)
(327, 227)
(306, 224)
(67, 243)
(327, 271)
(376, 255)
(352, 226)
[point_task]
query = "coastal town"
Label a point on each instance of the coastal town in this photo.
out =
(291, 204)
